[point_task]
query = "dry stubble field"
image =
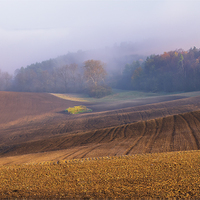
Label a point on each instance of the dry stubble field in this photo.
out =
(35, 129)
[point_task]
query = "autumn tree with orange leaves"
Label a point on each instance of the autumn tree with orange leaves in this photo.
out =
(95, 74)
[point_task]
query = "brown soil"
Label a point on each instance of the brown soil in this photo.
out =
(33, 122)
(173, 175)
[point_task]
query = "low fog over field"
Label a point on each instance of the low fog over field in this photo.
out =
(33, 31)
(86, 86)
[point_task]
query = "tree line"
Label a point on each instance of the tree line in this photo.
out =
(171, 71)
(69, 78)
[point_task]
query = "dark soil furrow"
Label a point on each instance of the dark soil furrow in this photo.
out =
(125, 130)
(192, 132)
(90, 138)
(106, 134)
(73, 152)
(158, 129)
(138, 140)
(196, 115)
(31, 123)
(84, 155)
(112, 135)
(196, 121)
(173, 134)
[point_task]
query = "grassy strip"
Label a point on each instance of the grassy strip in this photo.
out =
(117, 95)
(164, 175)
(120, 95)
(78, 109)
(70, 97)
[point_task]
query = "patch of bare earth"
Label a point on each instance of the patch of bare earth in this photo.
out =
(148, 176)
(36, 128)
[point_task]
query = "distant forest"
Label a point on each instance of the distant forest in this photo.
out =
(173, 71)
(170, 72)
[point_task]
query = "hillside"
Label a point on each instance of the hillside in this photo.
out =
(172, 133)
(149, 176)
(22, 106)
(37, 124)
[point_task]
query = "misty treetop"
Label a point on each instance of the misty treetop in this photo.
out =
(95, 74)
(169, 72)
(68, 78)
(62, 79)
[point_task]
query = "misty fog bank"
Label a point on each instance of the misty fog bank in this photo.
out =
(115, 67)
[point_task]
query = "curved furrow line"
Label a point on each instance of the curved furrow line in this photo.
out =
(113, 134)
(73, 152)
(124, 131)
(86, 152)
(152, 135)
(138, 140)
(90, 138)
(155, 136)
(64, 141)
(148, 139)
(192, 132)
(67, 155)
(173, 134)
(106, 133)
(117, 132)
(120, 132)
(194, 114)
(196, 119)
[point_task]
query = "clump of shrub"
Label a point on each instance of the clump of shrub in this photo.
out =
(99, 91)
(78, 109)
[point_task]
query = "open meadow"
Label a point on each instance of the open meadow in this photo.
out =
(147, 144)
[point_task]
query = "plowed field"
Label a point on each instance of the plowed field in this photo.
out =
(173, 175)
(34, 127)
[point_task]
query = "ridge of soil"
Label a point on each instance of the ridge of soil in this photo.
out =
(173, 175)
(35, 123)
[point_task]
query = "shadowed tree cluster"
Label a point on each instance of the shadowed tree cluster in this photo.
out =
(60, 79)
(170, 72)
(68, 78)
(5, 81)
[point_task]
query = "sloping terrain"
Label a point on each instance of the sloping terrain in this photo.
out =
(173, 133)
(39, 121)
(173, 175)
(19, 106)
(36, 123)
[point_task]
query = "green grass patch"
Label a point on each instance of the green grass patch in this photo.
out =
(78, 109)
(121, 95)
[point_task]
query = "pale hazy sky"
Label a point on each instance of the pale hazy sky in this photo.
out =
(36, 30)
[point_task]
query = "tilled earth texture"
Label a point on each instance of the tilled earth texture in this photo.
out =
(35, 128)
(173, 175)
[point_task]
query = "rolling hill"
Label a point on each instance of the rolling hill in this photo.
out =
(34, 126)
(138, 148)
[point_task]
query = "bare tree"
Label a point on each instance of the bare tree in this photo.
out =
(66, 74)
(5, 80)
